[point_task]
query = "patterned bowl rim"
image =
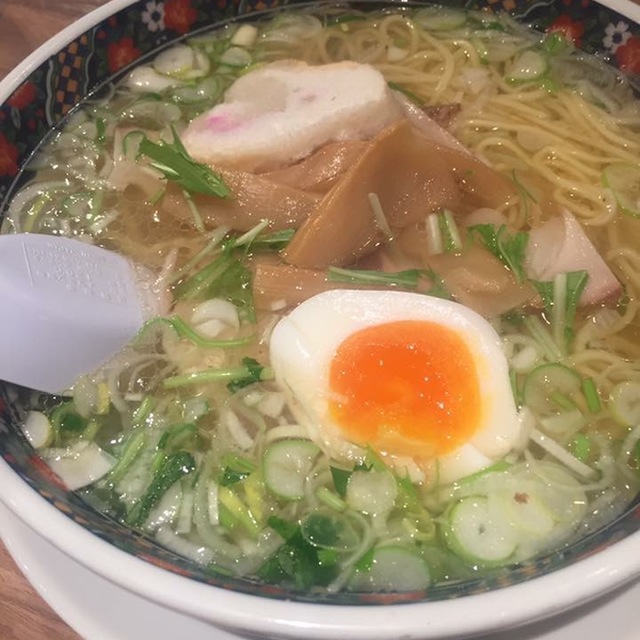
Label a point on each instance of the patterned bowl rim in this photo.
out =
(543, 597)
(593, 576)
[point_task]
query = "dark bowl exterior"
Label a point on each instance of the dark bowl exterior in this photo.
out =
(87, 66)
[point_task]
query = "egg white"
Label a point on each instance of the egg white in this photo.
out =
(304, 343)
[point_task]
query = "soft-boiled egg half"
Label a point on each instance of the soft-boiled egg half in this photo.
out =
(414, 377)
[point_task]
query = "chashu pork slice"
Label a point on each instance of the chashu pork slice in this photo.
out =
(561, 245)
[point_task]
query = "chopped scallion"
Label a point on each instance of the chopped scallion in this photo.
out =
(580, 446)
(590, 391)
(173, 468)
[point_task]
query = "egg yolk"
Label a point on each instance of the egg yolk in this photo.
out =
(406, 388)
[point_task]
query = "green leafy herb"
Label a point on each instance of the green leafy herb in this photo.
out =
(545, 289)
(555, 43)
(249, 372)
(408, 279)
(366, 561)
(131, 448)
(174, 467)
(508, 248)
(525, 194)
(197, 284)
(101, 126)
(274, 241)
(560, 298)
(226, 277)
(254, 374)
(185, 331)
(374, 461)
(576, 283)
(321, 531)
(438, 287)
(344, 18)
(235, 469)
(177, 435)
(296, 560)
(175, 163)
(340, 480)
(449, 231)
(65, 420)
(590, 391)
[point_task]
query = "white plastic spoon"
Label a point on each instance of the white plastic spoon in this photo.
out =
(66, 308)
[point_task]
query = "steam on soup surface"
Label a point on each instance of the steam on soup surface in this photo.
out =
(400, 341)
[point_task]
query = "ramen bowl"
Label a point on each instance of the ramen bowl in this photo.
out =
(40, 94)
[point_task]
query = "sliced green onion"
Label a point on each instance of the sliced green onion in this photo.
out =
(176, 435)
(143, 410)
(195, 214)
(83, 205)
(275, 240)
(200, 281)
(435, 243)
(449, 230)
(474, 533)
(561, 298)
(173, 468)
(440, 18)
(543, 338)
(551, 386)
(379, 216)
(590, 391)
(564, 402)
(529, 65)
(286, 465)
(215, 238)
(330, 499)
(562, 455)
(131, 143)
(238, 510)
(580, 446)
(624, 403)
(249, 236)
(132, 447)
(235, 57)
(152, 111)
(624, 181)
(101, 127)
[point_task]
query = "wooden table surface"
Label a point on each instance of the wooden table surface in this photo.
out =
(24, 25)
